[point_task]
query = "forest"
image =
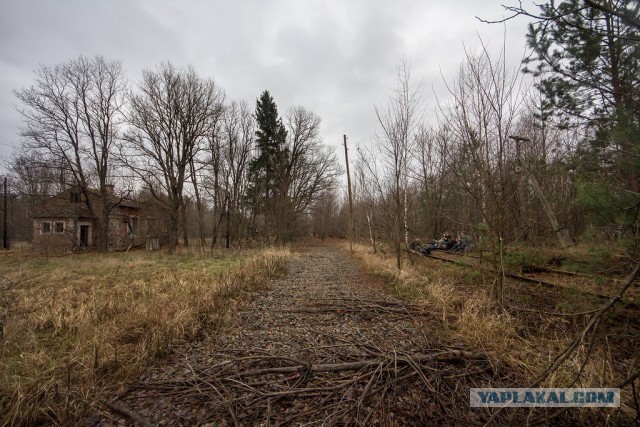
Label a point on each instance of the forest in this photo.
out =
(542, 155)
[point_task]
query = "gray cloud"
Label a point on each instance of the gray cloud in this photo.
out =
(336, 58)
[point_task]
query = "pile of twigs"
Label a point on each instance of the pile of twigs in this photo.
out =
(369, 308)
(348, 383)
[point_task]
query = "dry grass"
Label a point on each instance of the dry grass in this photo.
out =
(77, 325)
(458, 295)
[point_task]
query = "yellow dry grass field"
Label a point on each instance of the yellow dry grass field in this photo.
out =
(522, 335)
(79, 325)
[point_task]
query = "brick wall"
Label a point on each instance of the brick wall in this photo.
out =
(49, 239)
(121, 236)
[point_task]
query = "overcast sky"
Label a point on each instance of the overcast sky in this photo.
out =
(336, 58)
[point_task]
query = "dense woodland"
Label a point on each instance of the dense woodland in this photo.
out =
(542, 155)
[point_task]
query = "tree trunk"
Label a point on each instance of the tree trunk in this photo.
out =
(228, 224)
(185, 225)
(397, 240)
(173, 228)
(199, 206)
(372, 235)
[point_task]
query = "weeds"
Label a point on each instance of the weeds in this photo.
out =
(79, 324)
(524, 343)
(524, 260)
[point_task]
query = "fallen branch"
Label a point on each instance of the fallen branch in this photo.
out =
(593, 323)
(132, 415)
(247, 389)
(384, 303)
(550, 313)
(523, 278)
(443, 356)
(557, 285)
(322, 308)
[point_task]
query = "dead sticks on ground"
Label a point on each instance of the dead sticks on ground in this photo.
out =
(250, 388)
(593, 324)
(525, 278)
(443, 356)
(590, 328)
(362, 306)
(132, 415)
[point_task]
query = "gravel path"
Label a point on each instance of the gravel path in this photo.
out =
(324, 345)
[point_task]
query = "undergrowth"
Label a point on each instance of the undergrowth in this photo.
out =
(79, 325)
(521, 340)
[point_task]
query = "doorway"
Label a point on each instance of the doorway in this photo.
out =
(84, 236)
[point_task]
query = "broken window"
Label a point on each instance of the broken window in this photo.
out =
(59, 227)
(45, 228)
(132, 226)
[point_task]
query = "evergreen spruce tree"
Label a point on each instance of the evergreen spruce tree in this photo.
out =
(267, 168)
(587, 56)
(588, 61)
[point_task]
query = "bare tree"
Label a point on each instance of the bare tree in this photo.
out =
(170, 116)
(310, 170)
(542, 150)
(73, 114)
(194, 169)
(237, 165)
(214, 183)
(325, 216)
(32, 177)
(198, 166)
(229, 155)
(486, 100)
(367, 188)
(399, 120)
(429, 172)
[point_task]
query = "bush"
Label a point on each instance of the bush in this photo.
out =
(526, 261)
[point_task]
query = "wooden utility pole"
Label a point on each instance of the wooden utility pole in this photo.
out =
(352, 228)
(5, 241)
(562, 233)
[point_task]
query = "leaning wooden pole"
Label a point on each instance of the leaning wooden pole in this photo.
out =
(562, 233)
(352, 227)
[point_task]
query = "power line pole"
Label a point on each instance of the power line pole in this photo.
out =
(562, 233)
(5, 241)
(352, 228)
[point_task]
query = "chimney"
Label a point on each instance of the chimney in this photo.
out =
(109, 188)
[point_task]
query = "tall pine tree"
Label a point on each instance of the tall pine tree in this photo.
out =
(588, 61)
(587, 56)
(268, 167)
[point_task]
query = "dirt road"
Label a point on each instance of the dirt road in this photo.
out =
(325, 345)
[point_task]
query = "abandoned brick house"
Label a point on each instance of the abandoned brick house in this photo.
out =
(63, 222)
